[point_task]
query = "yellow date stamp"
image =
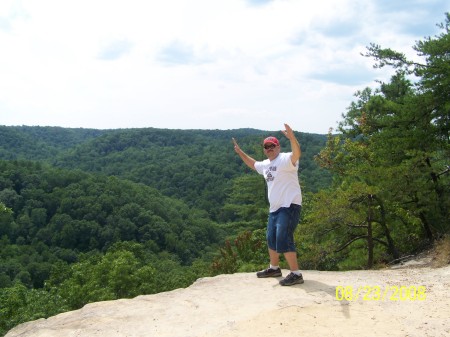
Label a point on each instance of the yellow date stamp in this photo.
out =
(381, 293)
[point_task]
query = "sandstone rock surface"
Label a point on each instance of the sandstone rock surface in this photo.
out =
(242, 305)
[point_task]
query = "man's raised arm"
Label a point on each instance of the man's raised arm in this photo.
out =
(249, 161)
(295, 146)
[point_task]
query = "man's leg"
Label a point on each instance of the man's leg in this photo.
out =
(274, 257)
(295, 277)
(286, 235)
(271, 272)
(291, 258)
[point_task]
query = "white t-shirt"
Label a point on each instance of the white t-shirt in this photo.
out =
(282, 181)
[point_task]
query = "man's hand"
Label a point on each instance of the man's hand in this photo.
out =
(288, 132)
(249, 161)
(295, 146)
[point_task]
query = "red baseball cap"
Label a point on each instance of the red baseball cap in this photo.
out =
(272, 140)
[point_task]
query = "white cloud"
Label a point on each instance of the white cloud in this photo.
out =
(115, 49)
(196, 63)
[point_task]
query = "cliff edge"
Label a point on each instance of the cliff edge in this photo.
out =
(391, 302)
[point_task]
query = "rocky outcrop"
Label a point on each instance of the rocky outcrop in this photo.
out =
(242, 305)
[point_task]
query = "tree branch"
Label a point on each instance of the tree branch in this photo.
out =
(350, 242)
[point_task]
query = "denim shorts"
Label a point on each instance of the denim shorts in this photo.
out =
(280, 228)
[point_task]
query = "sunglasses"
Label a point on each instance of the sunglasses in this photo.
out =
(271, 146)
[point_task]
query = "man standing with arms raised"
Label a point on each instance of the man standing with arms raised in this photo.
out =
(280, 170)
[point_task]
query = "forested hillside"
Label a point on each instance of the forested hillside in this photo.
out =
(40, 143)
(81, 212)
(196, 166)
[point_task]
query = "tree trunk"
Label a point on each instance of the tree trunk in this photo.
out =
(370, 232)
(426, 226)
(392, 249)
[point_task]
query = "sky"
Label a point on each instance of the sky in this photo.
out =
(198, 64)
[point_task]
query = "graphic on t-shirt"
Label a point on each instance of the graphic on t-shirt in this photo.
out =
(269, 176)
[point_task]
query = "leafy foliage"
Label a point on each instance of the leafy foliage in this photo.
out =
(80, 211)
(392, 150)
(19, 304)
(247, 253)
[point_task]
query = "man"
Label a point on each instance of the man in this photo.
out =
(285, 199)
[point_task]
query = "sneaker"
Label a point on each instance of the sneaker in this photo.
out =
(269, 272)
(292, 279)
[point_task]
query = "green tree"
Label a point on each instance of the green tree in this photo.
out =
(247, 252)
(352, 219)
(247, 200)
(424, 120)
(19, 304)
(394, 149)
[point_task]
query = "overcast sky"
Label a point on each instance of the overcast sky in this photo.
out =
(197, 64)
